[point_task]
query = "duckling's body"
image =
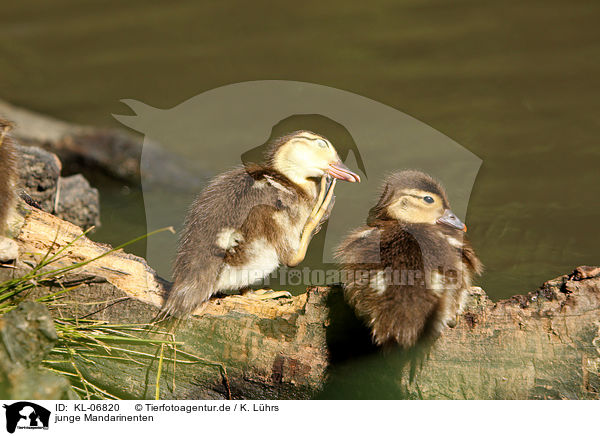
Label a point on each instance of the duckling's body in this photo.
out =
(241, 228)
(252, 219)
(407, 271)
(8, 176)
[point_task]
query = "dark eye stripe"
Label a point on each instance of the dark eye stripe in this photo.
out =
(427, 198)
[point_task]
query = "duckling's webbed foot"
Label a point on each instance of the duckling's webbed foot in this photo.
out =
(329, 207)
(324, 186)
(266, 294)
(315, 219)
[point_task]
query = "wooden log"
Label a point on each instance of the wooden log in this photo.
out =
(269, 349)
(541, 345)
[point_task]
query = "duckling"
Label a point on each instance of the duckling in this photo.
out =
(8, 175)
(407, 271)
(250, 220)
(9, 250)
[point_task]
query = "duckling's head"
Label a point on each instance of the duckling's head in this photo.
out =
(413, 197)
(304, 157)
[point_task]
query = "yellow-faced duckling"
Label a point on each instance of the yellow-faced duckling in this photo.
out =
(252, 219)
(406, 272)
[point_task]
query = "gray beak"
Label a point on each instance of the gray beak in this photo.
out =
(451, 220)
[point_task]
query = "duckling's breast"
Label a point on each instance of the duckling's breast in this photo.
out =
(260, 258)
(269, 235)
(290, 222)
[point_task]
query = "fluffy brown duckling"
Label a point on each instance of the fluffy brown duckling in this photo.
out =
(406, 272)
(250, 220)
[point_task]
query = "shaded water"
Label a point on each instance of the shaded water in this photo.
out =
(516, 83)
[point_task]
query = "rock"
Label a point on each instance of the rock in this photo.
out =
(39, 171)
(113, 151)
(71, 198)
(27, 335)
(78, 202)
(9, 250)
(110, 150)
(36, 384)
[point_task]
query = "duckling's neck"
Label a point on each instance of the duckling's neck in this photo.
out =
(299, 178)
(309, 186)
(399, 226)
(298, 171)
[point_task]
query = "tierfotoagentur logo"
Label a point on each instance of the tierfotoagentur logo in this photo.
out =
(25, 415)
(233, 125)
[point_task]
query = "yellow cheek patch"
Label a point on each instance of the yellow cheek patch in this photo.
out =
(413, 210)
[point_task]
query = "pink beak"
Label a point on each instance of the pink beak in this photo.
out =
(342, 172)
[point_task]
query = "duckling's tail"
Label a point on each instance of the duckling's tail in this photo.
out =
(184, 299)
(8, 175)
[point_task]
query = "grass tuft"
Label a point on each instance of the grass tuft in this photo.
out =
(84, 343)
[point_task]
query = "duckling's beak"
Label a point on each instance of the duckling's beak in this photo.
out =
(451, 220)
(342, 172)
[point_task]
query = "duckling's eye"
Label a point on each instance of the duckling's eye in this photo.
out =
(321, 143)
(428, 199)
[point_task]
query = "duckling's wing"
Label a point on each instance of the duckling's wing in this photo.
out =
(361, 246)
(470, 258)
(375, 264)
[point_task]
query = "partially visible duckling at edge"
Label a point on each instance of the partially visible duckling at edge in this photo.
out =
(8, 175)
(406, 273)
(250, 220)
(8, 198)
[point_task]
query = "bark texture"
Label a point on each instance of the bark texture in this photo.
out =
(543, 345)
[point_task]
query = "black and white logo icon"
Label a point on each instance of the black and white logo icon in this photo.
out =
(26, 415)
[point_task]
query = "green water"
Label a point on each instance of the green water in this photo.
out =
(516, 83)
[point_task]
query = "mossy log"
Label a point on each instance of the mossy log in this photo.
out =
(541, 345)
(248, 348)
